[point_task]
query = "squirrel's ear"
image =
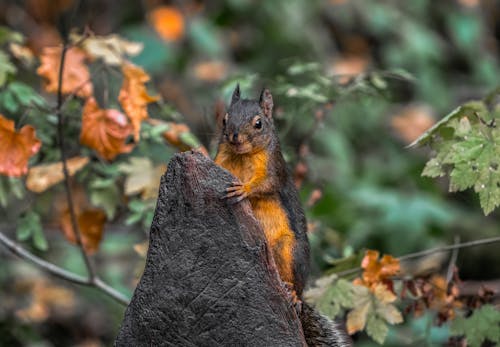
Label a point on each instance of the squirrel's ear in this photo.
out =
(236, 94)
(266, 102)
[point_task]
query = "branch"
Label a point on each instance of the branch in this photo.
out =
(430, 251)
(69, 197)
(59, 272)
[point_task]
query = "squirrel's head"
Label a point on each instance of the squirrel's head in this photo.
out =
(248, 124)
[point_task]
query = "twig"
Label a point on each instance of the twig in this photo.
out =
(69, 196)
(431, 251)
(453, 260)
(60, 272)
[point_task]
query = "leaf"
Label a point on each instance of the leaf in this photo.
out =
(210, 71)
(106, 131)
(91, 225)
(39, 240)
(30, 225)
(168, 22)
(16, 148)
(377, 329)
(42, 177)
(142, 177)
(483, 324)
(111, 49)
(6, 68)
(356, 318)
(375, 270)
(133, 96)
(106, 198)
(75, 77)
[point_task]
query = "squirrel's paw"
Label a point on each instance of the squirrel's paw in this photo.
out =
(237, 190)
(296, 301)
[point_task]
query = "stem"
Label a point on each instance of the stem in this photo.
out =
(62, 147)
(60, 272)
(431, 251)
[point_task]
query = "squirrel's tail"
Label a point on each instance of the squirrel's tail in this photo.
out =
(320, 331)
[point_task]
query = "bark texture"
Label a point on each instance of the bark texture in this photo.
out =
(209, 279)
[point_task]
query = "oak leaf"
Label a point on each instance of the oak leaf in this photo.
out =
(42, 177)
(75, 77)
(16, 147)
(133, 96)
(105, 130)
(168, 22)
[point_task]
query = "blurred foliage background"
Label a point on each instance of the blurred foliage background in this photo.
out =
(354, 82)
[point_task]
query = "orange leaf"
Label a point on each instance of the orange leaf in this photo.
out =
(376, 271)
(91, 224)
(105, 130)
(76, 76)
(42, 177)
(133, 96)
(168, 22)
(16, 147)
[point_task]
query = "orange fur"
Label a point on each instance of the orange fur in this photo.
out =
(251, 170)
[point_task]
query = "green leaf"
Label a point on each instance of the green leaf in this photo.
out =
(30, 225)
(483, 324)
(376, 328)
(106, 198)
(6, 68)
(39, 240)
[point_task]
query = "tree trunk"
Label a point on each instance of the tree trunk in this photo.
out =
(210, 279)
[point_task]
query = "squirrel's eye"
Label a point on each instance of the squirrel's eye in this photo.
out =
(258, 124)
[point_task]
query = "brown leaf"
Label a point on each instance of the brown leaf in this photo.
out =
(168, 22)
(412, 121)
(375, 270)
(105, 130)
(76, 76)
(356, 318)
(133, 96)
(349, 66)
(91, 225)
(16, 147)
(42, 177)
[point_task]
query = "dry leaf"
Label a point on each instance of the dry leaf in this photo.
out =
(376, 271)
(133, 96)
(91, 225)
(22, 53)
(412, 121)
(46, 297)
(168, 22)
(112, 49)
(142, 177)
(16, 148)
(76, 76)
(356, 318)
(105, 130)
(42, 177)
(210, 71)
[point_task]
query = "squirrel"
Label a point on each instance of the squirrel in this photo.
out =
(249, 148)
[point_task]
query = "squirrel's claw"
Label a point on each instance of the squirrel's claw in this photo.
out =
(296, 301)
(237, 190)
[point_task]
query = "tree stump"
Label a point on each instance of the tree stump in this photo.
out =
(210, 279)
